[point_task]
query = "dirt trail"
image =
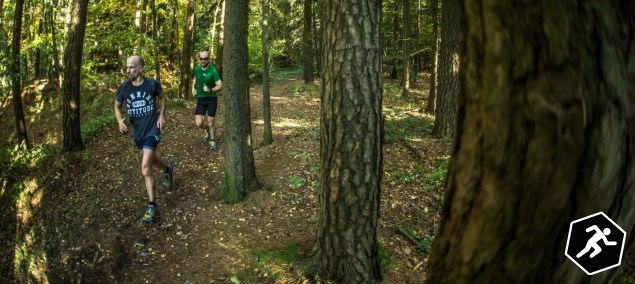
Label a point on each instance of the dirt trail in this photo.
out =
(99, 236)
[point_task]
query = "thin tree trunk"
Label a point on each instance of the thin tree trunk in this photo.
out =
(448, 72)
(407, 22)
(221, 41)
(20, 121)
(186, 53)
(155, 41)
(214, 28)
(174, 31)
(432, 94)
(240, 172)
(307, 43)
(317, 40)
(266, 103)
(351, 142)
(545, 137)
(72, 77)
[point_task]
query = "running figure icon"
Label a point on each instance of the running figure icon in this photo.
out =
(593, 241)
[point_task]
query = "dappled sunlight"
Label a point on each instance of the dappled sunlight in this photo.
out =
(30, 257)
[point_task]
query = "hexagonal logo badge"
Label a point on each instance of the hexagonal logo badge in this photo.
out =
(595, 243)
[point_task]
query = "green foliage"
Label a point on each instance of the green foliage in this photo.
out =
(422, 245)
(15, 160)
(385, 259)
(435, 179)
(296, 182)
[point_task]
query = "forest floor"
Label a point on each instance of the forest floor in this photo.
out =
(77, 218)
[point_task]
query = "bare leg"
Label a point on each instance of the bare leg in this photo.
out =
(149, 158)
(210, 125)
(198, 119)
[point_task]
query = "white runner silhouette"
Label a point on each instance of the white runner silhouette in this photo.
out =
(593, 241)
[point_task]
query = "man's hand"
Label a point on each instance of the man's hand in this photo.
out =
(161, 121)
(194, 92)
(122, 126)
(205, 88)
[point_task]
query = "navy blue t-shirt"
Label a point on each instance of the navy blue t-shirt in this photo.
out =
(141, 105)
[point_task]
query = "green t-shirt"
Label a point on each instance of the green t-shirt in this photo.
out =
(208, 77)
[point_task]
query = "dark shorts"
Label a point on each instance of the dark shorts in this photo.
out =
(208, 105)
(149, 142)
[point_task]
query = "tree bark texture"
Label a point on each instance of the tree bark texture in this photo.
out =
(240, 173)
(155, 41)
(186, 54)
(72, 76)
(432, 94)
(307, 42)
(221, 40)
(16, 85)
(545, 136)
(448, 69)
(266, 96)
(351, 142)
(407, 22)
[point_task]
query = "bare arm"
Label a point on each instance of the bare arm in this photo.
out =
(218, 87)
(162, 99)
(122, 124)
(194, 86)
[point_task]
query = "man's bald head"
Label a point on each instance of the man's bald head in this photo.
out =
(134, 67)
(135, 59)
(203, 56)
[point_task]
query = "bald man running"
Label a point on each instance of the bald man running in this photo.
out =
(141, 96)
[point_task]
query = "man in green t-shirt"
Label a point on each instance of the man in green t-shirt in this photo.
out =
(205, 87)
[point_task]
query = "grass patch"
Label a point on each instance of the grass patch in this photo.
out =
(400, 125)
(285, 73)
(435, 179)
(422, 245)
(276, 262)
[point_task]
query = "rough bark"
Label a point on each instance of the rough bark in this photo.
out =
(221, 41)
(448, 70)
(186, 53)
(16, 85)
(545, 136)
(155, 41)
(351, 142)
(72, 77)
(407, 21)
(432, 94)
(240, 173)
(307, 42)
(266, 97)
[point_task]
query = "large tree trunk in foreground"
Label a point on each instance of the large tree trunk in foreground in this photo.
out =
(545, 136)
(240, 172)
(351, 143)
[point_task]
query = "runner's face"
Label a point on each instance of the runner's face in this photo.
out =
(204, 59)
(133, 69)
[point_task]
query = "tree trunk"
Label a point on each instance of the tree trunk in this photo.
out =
(545, 136)
(186, 54)
(174, 32)
(432, 94)
(38, 53)
(20, 121)
(240, 172)
(155, 41)
(72, 76)
(351, 143)
(395, 42)
(266, 103)
(317, 40)
(406, 48)
(214, 28)
(221, 41)
(445, 118)
(307, 43)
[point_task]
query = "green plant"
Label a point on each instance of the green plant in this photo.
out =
(385, 259)
(435, 178)
(268, 259)
(296, 182)
(422, 245)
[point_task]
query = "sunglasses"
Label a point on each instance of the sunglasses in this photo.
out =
(203, 58)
